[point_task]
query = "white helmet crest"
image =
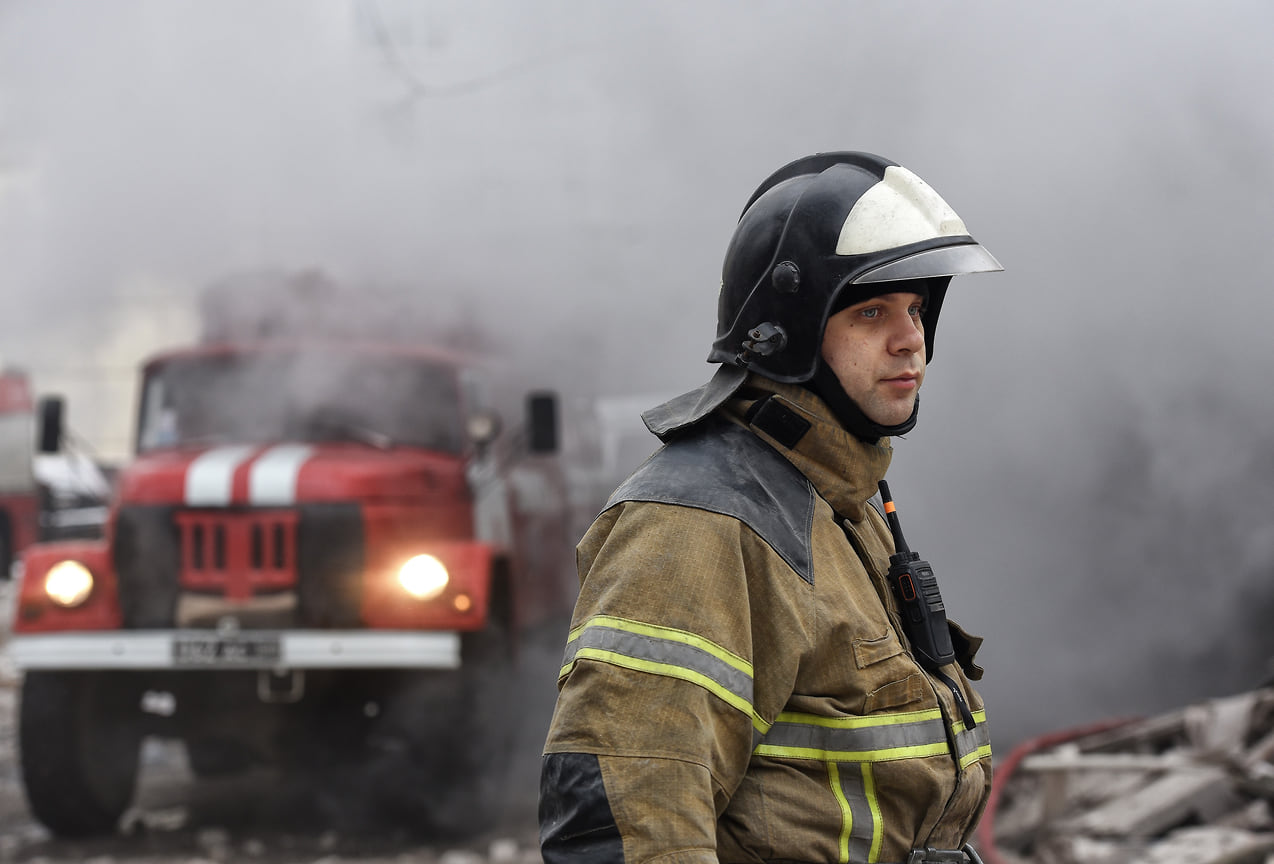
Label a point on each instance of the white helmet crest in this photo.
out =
(898, 210)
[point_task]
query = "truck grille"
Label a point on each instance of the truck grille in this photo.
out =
(166, 555)
(237, 554)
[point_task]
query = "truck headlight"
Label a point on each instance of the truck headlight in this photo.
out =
(68, 583)
(423, 577)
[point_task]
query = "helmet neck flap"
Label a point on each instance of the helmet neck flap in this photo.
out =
(827, 387)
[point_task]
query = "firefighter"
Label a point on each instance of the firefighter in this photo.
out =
(738, 684)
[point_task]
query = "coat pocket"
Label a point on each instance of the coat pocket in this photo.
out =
(869, 652)
(893, 679)
(897, 694)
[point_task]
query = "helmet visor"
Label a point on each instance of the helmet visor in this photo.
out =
(942, 261)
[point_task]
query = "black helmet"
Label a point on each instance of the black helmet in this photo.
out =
(812, 229)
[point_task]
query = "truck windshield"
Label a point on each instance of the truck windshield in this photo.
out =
(381, 400)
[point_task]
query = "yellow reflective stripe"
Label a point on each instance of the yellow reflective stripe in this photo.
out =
(846, 814)
(980, 753)
(875, 738)
(861, 834)
(669, 633)
(979, 717)
(877, 821)
(823, 755)
(668, 652)
(972, 744)
(668, 670)
(861, 722)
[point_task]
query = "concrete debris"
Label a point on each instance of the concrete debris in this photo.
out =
(1193, 785)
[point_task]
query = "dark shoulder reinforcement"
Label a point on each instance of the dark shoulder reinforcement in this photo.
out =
(724, 468)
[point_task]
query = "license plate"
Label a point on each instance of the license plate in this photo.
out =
(240, 650)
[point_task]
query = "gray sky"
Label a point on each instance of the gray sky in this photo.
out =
(1092, 474)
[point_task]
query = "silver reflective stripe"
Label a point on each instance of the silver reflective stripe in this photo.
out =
(664, 651)
(855, 791)
(876, 738)
(973, 744)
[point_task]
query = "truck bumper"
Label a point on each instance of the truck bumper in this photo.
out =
(194, 650)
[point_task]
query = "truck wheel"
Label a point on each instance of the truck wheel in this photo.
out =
(479, 751)
(439, 760)
(80, 738)
(217, 757)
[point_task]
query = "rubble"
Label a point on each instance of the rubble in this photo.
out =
(1193, 785)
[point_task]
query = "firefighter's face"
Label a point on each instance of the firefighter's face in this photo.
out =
(877, 350)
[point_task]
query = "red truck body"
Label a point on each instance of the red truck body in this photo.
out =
(255, 574)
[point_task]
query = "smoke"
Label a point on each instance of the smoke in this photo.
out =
(1092, 470)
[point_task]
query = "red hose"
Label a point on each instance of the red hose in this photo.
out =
(1004, 771)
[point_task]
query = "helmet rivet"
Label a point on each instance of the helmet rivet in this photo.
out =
(786, 277)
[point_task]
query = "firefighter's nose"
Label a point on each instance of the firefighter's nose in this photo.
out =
(908, 336)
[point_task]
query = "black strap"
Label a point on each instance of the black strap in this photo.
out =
(778, 421)
(827, 387)
(965, 714)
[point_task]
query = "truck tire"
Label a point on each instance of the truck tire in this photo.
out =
(217, 757)
(440, 759)
(476, 762)
(80, 738)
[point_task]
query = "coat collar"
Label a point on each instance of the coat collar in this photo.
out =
(844, 470)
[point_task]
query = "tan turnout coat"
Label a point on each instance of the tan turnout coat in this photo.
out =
(736, 675)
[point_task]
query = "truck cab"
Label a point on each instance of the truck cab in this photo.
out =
(324, 553)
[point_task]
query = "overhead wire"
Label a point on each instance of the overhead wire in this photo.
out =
(417, 88)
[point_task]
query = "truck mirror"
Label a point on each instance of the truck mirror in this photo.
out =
(49, 424)
(541, 422)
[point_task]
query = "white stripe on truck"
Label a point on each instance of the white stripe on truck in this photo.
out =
(210, 477)
(272, 477)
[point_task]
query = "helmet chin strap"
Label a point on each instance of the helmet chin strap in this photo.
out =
(827, 387)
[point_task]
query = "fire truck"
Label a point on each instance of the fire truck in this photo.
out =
(323, 557)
